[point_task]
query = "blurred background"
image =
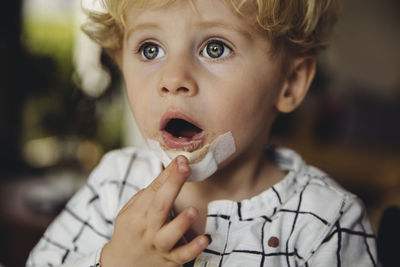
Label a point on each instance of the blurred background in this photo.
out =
(61, 109)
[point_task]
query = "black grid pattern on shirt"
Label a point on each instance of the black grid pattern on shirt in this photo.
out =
(298, 212)
(85, 224)
(339, 231)
(267, 220)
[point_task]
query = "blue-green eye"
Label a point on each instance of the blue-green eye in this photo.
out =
(216, 49)
(150, 51)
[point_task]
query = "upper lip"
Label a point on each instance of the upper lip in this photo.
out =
(176, 115)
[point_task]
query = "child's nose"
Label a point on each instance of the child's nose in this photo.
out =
(178, 78)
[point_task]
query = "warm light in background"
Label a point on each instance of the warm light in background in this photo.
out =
(44, 152)
(89, 154)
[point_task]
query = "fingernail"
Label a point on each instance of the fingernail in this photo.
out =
(202, 242)
(181, 159)
(192, 213)
(209, 238)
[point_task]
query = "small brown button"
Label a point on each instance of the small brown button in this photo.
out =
(273, 242)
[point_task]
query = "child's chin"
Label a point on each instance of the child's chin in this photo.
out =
(193, 157)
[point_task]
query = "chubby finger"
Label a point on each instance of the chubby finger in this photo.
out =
(190, 251)
(149, 192)
(144, 196)
(172, 168)
(165, 197)
(172, 232)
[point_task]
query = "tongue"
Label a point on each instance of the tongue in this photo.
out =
(188, 133)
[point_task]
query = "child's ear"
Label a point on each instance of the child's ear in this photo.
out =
(295, 86)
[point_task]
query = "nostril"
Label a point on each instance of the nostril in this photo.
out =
(178, 90)
(183, 89)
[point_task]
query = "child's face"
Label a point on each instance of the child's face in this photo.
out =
(209, 67)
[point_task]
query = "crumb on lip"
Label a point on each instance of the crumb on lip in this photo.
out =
(188, 144)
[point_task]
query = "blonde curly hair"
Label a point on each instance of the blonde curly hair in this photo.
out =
(297, 27)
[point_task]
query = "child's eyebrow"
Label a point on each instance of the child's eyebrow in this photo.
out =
(229, 27)
(142, 26)
(202, 25)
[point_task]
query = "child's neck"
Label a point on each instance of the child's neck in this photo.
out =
(247, 177)
(244, 178)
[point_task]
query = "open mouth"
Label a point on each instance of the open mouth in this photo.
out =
(180, 128)
(180, 133)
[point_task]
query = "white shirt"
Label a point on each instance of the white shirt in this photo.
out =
(304, 220)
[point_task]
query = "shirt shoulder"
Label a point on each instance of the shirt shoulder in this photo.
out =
(127, 164)
(315, 208)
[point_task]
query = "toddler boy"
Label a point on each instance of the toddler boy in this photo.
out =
(205, 80)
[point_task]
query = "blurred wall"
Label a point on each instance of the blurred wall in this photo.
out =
(366, 47)
(11, 95)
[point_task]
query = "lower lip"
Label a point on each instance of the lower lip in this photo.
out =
(183, 143)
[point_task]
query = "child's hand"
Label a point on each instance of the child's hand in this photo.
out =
(143, 236)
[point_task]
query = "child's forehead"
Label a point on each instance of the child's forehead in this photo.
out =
(208, 12)
(244, 8)
(144, 4)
